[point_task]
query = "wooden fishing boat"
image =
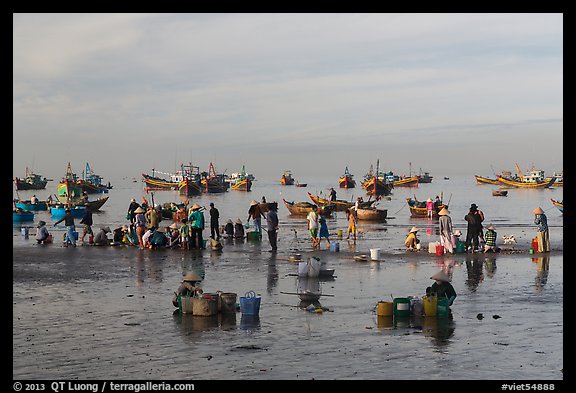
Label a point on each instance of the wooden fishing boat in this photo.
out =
(19, 215)
(241, 181)
(544, 183)
(424, 177)
(31, 207)
(341, 205)
(287, 179)
(485, 180)
(558, 204)
(346, 180)
(190, 187)
(213, 182)
(68, 190)
(92, 183)
(406, 182)
(303, 208)
(559, 179)
(499, 193)
(301, 184)
(93, 205)
(372, 214)
(158, 183)
(265, 206)
(418, 208)
(377, 187)
(31, 181)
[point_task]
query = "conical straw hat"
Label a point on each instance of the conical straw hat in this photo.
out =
(443, 212)
(538, 211)
(414, 229)
(191, 276)
(441, 276)
(139, 210)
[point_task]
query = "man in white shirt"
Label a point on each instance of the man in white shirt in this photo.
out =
(313, 225)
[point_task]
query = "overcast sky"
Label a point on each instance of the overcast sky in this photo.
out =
(313, 93)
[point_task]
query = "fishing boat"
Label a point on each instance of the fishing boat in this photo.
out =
(58, 211)
(372, 214)
(533, 179)
(92, 183)
(418, 208)
(424, 177)
(190, 182)
(303, 208)
(213, 182)
(559, 179)
(31, 181)
(406, 182)
(346, 180)
(19, 215)
(68, 190)
(241, 181)
(341, 205)
(499, 192)
(558, 204)
(287, 179)
(93, 205)
(158, 183)
(301, 184)
(26, 205)
(485, 180)
(266, 206)
(375, 183)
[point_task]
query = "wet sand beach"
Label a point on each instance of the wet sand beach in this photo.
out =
(106, 313)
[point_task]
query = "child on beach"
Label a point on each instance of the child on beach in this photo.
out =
(184, 234)
(351, 216)
(323, 231)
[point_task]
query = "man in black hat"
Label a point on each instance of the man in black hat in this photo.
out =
(272, 221)
(473, 231)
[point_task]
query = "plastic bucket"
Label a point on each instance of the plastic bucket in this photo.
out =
(375, 254)
(432, 247)
(442, 308)
(385, 309)
(460, 247)
(302, 268)
(385, 322)
(334, 246)
(439, 250)
(213, 296)
(340, 233)
(430, 305)
(25, 231)
(253, 235)
(204, 307)
(250, 304)
(535, 244)
(228, 302)
(416, 307)
(401, 307)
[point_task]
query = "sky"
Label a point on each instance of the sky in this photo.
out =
(452, 94)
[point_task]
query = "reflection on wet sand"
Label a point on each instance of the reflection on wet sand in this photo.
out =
(542, 269)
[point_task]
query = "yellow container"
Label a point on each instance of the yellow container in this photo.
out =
(340, 233)
(385, 309)
(430, 305)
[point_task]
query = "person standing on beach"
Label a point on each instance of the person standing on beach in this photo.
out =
(69, 223)
(480, 219)
(272, 221)
(131, 208)
(196, 219)
(445, 224)
(313, 221)
(214, 216)
(255, 213)
(87, 221)
(332, 194)
(542, 234)
(140, 223)
(352, 220)
(323, 231)
(429, 208)
(152, 218)
(473, 230)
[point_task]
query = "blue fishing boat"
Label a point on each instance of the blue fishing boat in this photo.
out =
(19, 215)
(28, 206)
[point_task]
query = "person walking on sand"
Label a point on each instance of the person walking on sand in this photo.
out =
(87, 221)
(214, 216)
(323, 233)
(542, 234)
(256, 214)
(445, 224)
(352, 220)
(69, 223)
(272, 222)
(313, 223)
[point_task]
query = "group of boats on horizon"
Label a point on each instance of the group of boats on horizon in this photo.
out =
(534, 178)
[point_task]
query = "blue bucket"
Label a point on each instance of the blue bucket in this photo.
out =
(334, 246)
(250, 303)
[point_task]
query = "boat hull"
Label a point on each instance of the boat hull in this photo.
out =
(372, 214)
(375, 186)
(303, 208)
(346, 182)
(485, 180)
(559, 205)
(189, 188)
(417, 211)
(59, 212)
(27, 206)
(159, 183)
(341, 205)
(242, 185)
(407, 182)
(23, 216)
(24, 185)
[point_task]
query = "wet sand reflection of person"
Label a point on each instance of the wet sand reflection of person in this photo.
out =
(542, 269)
(490, 265)
(272, 277)
(474, 268)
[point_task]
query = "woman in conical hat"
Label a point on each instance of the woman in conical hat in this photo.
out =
(542, 234)
(442, 287)
(412, 241)
(139, 210)
(188, 287)
(445, 227)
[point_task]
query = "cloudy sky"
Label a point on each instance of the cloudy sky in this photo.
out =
(314, 93)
